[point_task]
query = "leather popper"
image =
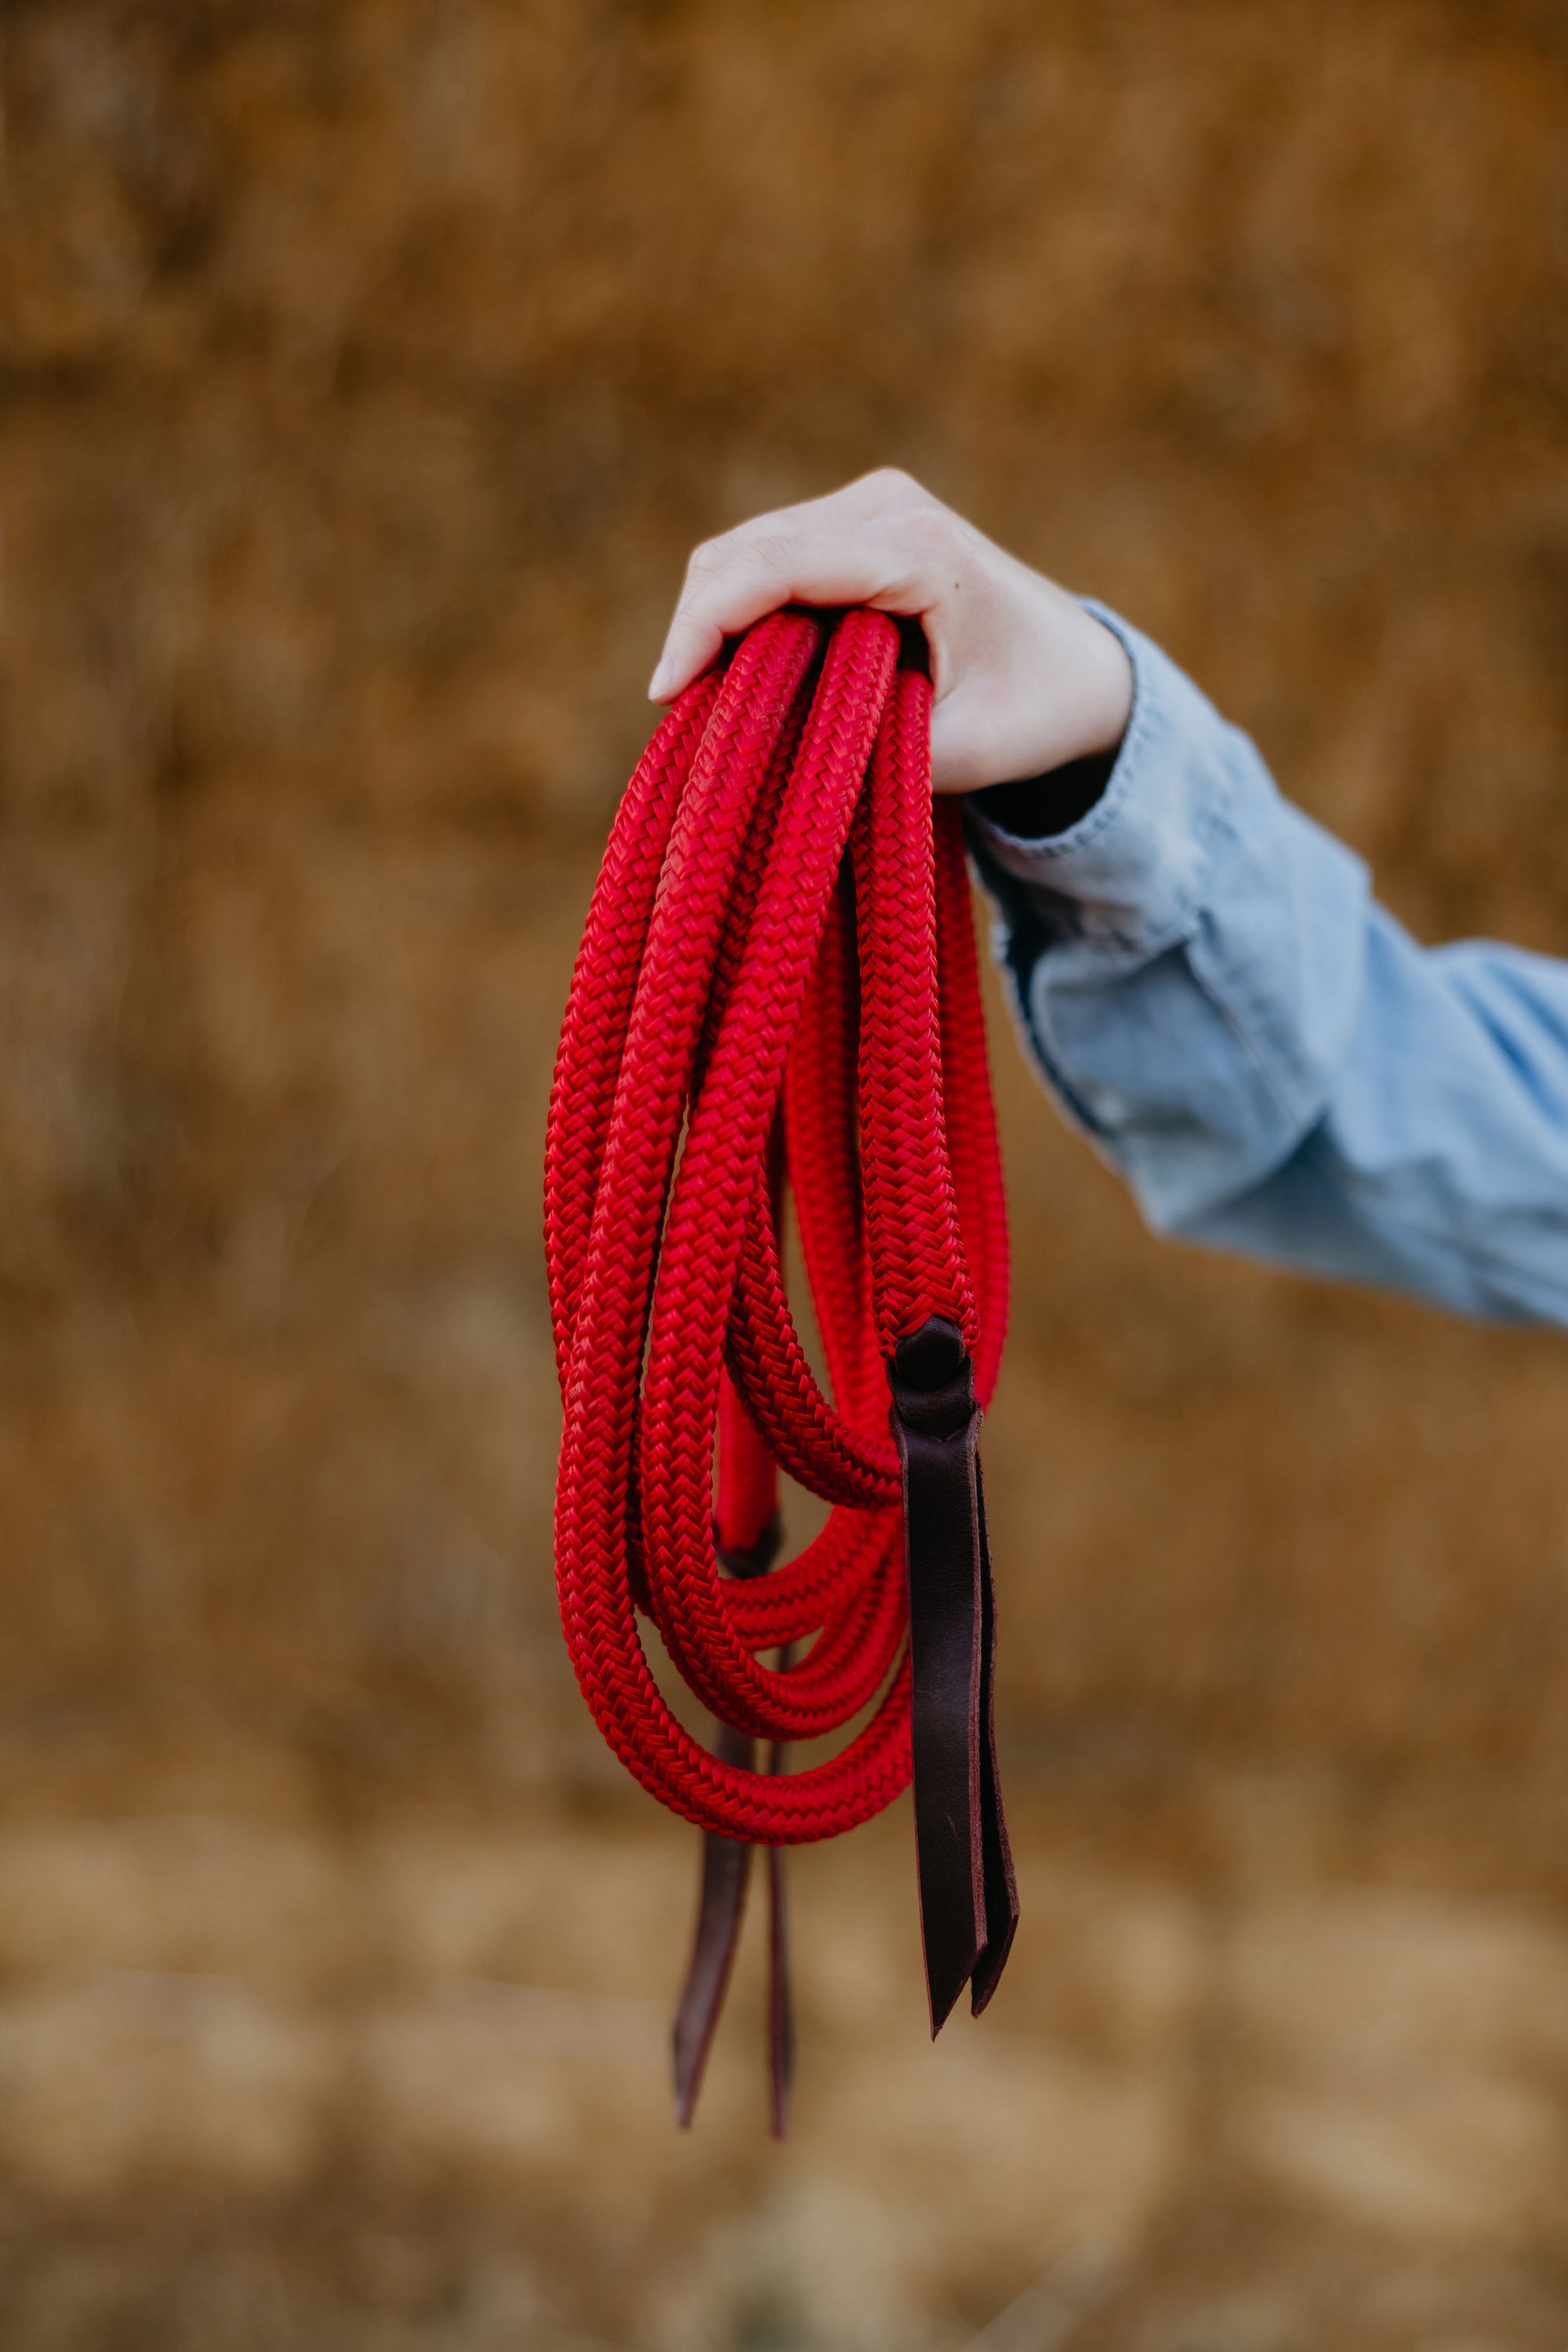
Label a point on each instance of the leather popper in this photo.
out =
(969, 1901)
(721, 1908)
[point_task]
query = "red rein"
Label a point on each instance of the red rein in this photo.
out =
(777, 988)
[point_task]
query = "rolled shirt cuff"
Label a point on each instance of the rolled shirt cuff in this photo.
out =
(1187, 959)
(1130, 875)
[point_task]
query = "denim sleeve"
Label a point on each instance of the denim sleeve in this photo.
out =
(1212, 995)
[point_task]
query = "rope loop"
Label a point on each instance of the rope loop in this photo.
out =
(775, 999)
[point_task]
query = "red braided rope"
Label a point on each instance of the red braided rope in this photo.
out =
(776, 983)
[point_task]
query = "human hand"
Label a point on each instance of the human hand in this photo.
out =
(1024, 678)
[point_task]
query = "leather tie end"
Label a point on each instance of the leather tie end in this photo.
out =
(969, 1905)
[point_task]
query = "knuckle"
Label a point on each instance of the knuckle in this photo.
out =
(706, 557)
(759, 545)
(896, 489)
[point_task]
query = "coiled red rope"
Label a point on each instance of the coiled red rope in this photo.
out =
(777, 988)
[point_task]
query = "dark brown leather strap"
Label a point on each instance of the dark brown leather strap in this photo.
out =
(969, 1902)
(721, 1907)
(781, 2000)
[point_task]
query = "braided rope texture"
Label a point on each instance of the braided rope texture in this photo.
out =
(776, 993)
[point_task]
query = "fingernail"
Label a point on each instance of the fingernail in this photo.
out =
(658, 684)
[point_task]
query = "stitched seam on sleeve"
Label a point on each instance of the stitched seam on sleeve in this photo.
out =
(1212, 822)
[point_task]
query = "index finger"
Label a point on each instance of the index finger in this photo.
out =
(734, 581)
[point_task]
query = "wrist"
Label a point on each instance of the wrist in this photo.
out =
(1108, 684)
(1087, 710)
(1073, 687)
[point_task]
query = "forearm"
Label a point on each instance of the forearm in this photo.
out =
(1209, 991)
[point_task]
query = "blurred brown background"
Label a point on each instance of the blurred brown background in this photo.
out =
(370, 366)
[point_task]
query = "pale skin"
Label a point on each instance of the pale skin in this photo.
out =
(1024, 678)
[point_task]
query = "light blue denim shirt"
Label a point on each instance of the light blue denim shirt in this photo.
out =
(1212, 995)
